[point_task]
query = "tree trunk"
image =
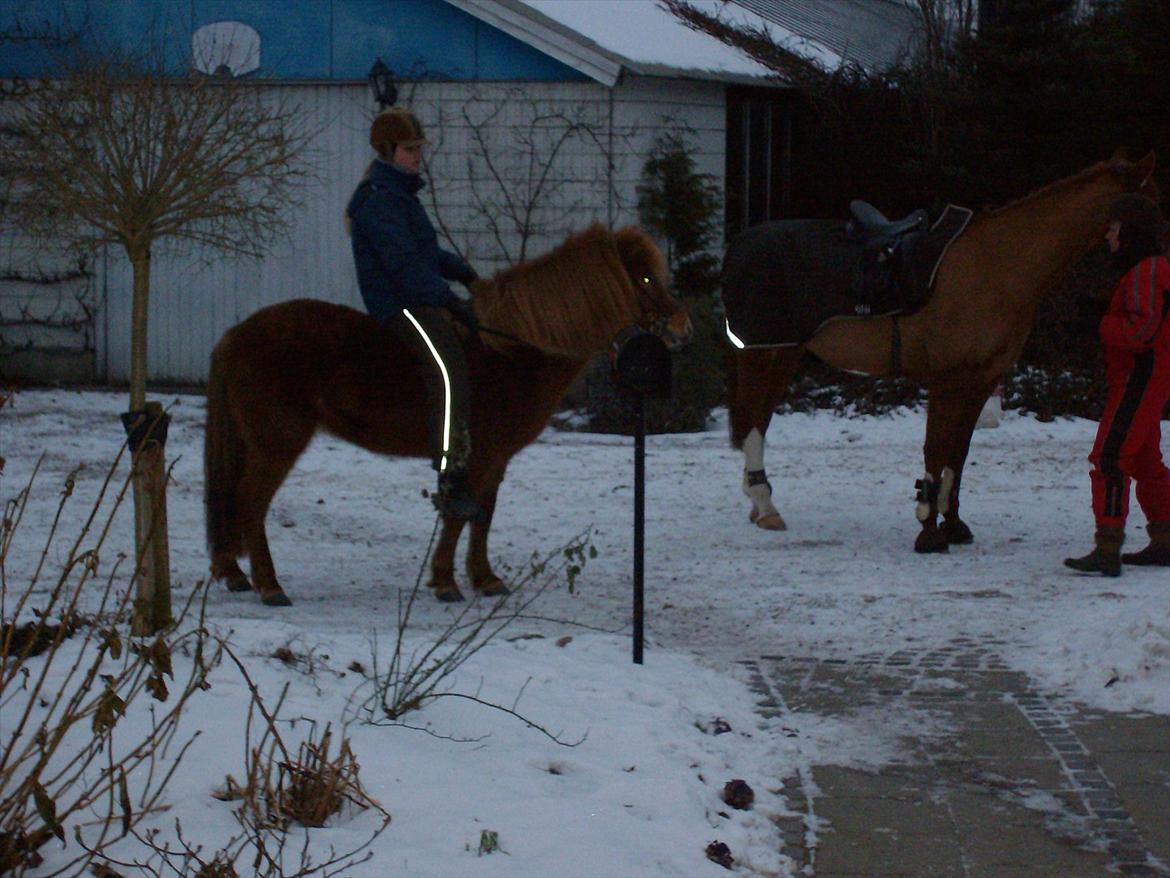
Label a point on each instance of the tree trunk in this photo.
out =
(146, 425)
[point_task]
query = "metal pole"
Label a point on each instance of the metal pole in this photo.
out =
(639, 520)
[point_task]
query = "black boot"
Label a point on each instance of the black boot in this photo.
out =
(1157, 553)
(454, 499)
(1105, 558)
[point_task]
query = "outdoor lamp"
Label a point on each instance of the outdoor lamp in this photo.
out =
(381, 82)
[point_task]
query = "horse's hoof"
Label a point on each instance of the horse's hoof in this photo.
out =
(492, 587)
(771, 521)
(237, 582)
(450, 595)
(930, 541)
(957, 532)
(276, 599)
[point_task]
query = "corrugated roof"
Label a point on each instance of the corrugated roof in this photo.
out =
(603, 37)
(873, 33)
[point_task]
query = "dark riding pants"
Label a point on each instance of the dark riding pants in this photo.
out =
(429, 332)
(1128, 445)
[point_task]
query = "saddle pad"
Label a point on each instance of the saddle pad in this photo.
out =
(783, 280)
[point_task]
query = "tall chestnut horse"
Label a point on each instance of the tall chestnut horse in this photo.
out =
(959, 344)
(293, 368)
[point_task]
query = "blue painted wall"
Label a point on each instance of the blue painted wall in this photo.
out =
(300, 39)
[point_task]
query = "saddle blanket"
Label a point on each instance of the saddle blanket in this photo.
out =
(782, 281)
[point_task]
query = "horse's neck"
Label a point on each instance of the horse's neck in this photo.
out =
(546, 377)
(1043, 235)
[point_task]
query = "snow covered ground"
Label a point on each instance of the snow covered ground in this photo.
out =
(640, 795)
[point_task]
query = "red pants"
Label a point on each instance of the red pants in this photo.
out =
(1128, 446)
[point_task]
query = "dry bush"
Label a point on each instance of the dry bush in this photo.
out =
(70, 674)
(414, 677)
(306, 787)
(282, 787)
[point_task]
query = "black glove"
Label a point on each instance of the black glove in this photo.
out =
(468, 278)
(461, 310)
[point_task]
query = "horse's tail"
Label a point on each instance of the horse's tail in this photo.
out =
(223, 465)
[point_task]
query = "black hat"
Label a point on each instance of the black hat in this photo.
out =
(1143, 229)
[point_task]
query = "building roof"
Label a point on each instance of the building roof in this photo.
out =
(872, 33)
(603, 38)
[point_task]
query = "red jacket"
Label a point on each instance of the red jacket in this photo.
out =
(1138, 318)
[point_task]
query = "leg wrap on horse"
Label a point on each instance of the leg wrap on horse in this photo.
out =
(927, 497)
(754, 477)
(934, 496)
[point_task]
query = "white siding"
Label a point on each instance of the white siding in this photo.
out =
(196, 297)
(47, 303)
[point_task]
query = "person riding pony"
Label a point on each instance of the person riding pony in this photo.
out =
(403, 272)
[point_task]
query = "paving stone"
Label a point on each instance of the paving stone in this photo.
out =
(886, 853)
(961, 810)
(996, 833)
(1110, 732)
(898, 783)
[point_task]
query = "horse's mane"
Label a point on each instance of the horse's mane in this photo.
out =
(569, 301)
(1057, 187)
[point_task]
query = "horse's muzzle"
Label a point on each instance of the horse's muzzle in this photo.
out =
(676, 330)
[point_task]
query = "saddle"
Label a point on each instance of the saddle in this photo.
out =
(876, 286)
(783, 280)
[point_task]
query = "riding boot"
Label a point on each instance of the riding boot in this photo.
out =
(1157, 553)
(1106, 557)
(454, 499)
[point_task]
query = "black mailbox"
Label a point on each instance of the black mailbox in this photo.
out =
(641, 365)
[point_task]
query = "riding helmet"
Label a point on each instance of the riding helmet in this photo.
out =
(396, 126)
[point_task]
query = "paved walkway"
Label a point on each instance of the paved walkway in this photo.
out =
(1018, 786)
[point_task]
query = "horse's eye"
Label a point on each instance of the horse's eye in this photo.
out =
(646, 281)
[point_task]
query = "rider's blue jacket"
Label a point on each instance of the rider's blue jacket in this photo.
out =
(395, 249)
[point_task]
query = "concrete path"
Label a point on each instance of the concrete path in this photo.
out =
(1016, 787)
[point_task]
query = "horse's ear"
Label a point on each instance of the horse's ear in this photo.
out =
(1119, 155)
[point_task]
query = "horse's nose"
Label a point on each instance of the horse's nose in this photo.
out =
(680, 329)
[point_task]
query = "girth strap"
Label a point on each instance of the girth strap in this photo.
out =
(895, 349)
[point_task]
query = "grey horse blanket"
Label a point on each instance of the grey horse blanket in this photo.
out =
(783, 280)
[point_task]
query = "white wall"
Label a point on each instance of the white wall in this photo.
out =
(48, 302)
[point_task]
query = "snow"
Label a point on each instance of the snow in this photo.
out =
(623, 26)
(640, 793)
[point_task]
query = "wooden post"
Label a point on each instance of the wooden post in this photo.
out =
(152, 605)
(146, 426)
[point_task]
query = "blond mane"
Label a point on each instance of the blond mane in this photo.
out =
(570, 301)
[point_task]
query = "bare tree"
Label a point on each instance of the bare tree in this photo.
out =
(526, 168)
(127, 153)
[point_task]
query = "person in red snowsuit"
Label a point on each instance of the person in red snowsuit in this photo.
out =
(1135, 333)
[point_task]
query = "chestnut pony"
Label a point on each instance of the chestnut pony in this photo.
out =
(301, 366)
(959, 344)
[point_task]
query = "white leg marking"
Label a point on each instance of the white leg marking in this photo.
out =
(753, 461)
(753, 450)
(945, 486)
